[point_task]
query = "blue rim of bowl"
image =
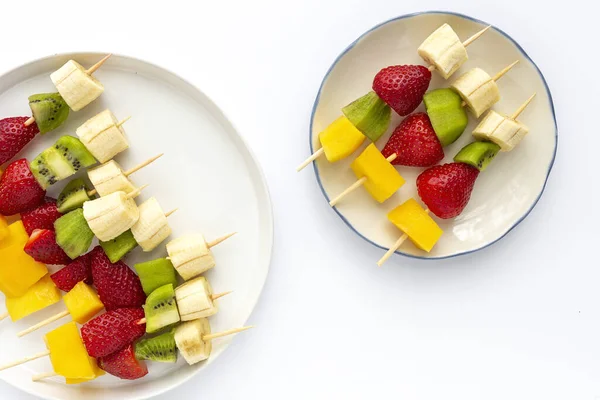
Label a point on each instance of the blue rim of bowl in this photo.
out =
(351, 46)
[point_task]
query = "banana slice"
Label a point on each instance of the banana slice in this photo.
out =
(500, 129)
(190, 256)
(478, 90)
(103, 136)
(444, 49)
(109, 178)
(194, 299)
(152, 227)
(188, 337)
(110, 216)
(76, 86)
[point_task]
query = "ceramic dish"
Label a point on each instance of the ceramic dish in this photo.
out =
(207, 171)
(504, 194)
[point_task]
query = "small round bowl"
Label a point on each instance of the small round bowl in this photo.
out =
(504, 194)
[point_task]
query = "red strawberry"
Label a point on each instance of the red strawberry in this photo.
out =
(19, 190)
(14, 135)
(112, 331)
(402, 86)
(118, 286)
(415, 143)
(123, 364)
(446, 189)
(79, 270)
(42, 247)
(42, 217)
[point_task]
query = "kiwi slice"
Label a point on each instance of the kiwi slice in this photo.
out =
(161, 309)
(118, 247)
(478, 154)
(448, 117)
(72, 196)
(49, 110)
(370, 115)
(156, 273)
(161, 348)
(67, 156)
(73, 234)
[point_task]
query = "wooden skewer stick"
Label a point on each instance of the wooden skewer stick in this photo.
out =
(25, 360)
(171, 212)
(310, 159)
(219, 240)
(394, 247)
(498, 76)
(356, 185)
(225, 333)
(132, 171)
(213, 297)
(43, 323)
(45, 375)
(522, 108)
(3, 316)
(468, 41)
(90, 71)
(136, 193)
(120, 124)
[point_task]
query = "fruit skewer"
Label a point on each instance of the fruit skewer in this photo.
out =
(366, 173)
(194, 343)
(106, 179)
(346, 134)
(446, 189)
(69, 77)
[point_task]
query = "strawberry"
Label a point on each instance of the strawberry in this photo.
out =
(42, 247)
(14, 135)
(19, 190)
(123, 364)
(118, 286)
(415, 143)
(402, 86)
(446, 189)
(42, 217)
(78, 270)
(112, 331)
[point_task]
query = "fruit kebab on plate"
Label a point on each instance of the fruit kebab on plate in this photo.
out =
(399, 87)
(76, 89)
(446, 189)
(418, 139)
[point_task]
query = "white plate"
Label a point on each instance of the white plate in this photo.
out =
(207, 171)
(510, 187)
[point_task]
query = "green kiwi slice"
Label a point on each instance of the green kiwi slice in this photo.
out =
(73, 234)
(448, 117)
(156, 273)
(72, 196)
(161, 348)
(370, 115)
(49, 110)
(119, 247)
(478, 154)
(161, 309)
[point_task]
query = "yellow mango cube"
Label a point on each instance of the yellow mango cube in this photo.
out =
(340, 139)
(97, 372)
(18, 271)
(382, 178)
(3, 228)
(83, 303)
(42, 294)
(68, 355)
(413, 220)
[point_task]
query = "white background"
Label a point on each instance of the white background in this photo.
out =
(519, 320)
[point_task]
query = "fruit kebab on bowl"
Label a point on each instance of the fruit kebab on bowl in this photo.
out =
(416, 141)
(76, 89)
(399, 87)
